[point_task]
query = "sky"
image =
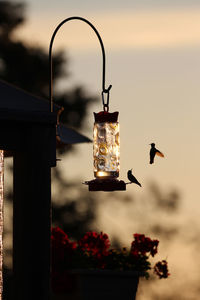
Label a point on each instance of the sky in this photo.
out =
(153, 63)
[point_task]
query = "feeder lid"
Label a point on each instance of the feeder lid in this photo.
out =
(104, 116)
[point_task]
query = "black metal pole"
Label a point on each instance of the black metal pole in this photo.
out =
(104, 90)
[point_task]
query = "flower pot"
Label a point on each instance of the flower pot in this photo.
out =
(100, 284)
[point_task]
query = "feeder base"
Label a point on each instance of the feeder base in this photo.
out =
(106, 185)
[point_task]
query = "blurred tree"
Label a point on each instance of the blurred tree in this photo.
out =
(74, 208)
(28, 67)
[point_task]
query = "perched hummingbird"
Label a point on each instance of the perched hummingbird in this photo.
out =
(132, 178)
(153, 152)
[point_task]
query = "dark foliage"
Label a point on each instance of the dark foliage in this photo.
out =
(28, 67)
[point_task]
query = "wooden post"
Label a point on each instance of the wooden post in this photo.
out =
(32, 217)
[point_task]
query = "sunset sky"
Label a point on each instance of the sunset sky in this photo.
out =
(153, 63)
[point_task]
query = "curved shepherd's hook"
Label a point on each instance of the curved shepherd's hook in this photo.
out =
(104, 90)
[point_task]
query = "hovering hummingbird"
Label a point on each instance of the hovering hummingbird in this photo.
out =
(153, 152)
(132, 178)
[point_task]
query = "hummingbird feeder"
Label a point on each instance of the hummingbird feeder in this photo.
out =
(106, 148)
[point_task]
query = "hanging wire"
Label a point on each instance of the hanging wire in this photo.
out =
(104, 89)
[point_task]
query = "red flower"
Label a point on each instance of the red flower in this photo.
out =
(92, 252)
(94, 243)
(161, 269)
(142, 245)
(61, 247)
(59, 237)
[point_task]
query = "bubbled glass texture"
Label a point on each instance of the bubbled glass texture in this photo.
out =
(106, 149)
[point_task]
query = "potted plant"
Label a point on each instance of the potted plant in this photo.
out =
(90, 269)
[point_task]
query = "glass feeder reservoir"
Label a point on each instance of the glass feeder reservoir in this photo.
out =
(106, 153)
(106, 147)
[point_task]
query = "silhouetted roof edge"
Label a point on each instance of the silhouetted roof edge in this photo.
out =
(66, 135)
(17, 104)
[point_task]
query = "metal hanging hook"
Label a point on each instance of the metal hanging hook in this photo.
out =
(104, 90)
(106, 104)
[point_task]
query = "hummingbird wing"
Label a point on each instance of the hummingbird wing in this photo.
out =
(159, 153)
